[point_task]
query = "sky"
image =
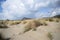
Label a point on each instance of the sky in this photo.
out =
(17, 9)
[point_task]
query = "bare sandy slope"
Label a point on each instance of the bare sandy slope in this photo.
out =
(15, 32)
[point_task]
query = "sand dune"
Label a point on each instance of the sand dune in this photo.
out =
(51, 31)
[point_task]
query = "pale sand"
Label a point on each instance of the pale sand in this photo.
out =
(16, 32)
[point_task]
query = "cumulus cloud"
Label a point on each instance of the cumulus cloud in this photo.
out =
(55, 10)
(14, 9)
(42, 15)
(19, 8)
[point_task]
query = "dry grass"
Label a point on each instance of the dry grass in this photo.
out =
(43, 23)
(53, 19)
(34, 22)
(1, 38)
(50, 36)
(14, 22)
(27, 27)
(57, 20)
(3, 25)
(24, 22)
(50, 20)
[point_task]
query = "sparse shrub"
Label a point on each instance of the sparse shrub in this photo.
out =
(46, 19)
(24, 22)
(41, 24)
(15, 23)
(51, 20)
(7, 20)
(50, 36)
(27, 29)
(37, 23)
(45, 24)
(12, 23)
(1, 38)
(32, 25)
(1, 22)
(34, 29)
(57, 20)
(3, 25)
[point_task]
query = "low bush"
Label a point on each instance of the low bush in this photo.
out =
(37, 23)
(51, 20)
(3, 26)
(50, 36)
(1, 38)
(27, 29)
(15, 23)
(57, 20)
(45, 24)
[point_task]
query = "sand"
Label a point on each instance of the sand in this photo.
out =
(16, 32)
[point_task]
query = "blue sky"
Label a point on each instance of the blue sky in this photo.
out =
(17, 9)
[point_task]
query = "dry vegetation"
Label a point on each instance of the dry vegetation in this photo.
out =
(53, 19)
(33, 22)
(50, 36)
(1, 38)
(33, 25)
(3, 25)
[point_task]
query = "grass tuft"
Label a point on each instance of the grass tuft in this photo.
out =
(50, 36)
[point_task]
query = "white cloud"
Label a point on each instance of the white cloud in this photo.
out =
(51, 14)
(20, 8)
(41, 4)
(12, 8)
(55, 12)
(41, 15)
